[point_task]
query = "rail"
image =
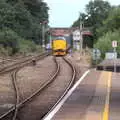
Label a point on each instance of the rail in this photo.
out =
(67, 89)
(19, 105)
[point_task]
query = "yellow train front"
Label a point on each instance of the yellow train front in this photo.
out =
(59, 46)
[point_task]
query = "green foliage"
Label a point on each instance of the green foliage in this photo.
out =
(105, 22)
(3, 51)
(111, 23)
(23, 17)
(80, 19)
(105, 42)
(20, 21)
(26, 46)
(37, 8)
(109, 31)
(96, 12)
(9, 38)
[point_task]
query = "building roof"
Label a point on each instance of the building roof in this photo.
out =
(67, 31)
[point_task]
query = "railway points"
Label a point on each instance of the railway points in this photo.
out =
(35, 95)
(12, 96)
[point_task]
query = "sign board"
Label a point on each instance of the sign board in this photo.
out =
(76, 35)
(87, 32)
(66, 35)
(96, 54)
(114, 43)
(111, 55)
(48, 46)
(78, 47)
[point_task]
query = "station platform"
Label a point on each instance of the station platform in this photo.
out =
(109, 64)
(97, 97)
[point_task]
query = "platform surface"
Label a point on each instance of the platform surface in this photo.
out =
(97, 97)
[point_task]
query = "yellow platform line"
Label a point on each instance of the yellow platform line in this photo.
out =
(107, 101)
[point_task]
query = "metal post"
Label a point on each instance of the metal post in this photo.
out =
(43, 36)
(81, 39)
(50, 39)
(114, 59)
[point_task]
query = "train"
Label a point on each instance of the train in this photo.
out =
(59, 46)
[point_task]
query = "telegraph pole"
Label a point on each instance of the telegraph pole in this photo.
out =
(81, 37)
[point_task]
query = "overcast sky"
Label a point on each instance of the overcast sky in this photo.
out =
(63, 13)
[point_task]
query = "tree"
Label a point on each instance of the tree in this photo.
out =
(21, 18)
(38, 9)
(97, 11)
(112, 22)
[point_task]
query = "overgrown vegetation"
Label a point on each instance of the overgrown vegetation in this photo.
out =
(20, 27)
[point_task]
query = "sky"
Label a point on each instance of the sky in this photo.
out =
(63, 13)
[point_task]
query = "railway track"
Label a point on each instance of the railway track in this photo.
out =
(7, 61)
(67, 89)
(14, 112)
(22, 63)
(17, 96)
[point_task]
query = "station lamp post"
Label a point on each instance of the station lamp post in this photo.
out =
(81, 34)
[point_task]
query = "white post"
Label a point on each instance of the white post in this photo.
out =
(114, 59)
(114, 45)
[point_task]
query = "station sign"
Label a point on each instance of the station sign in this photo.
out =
(114, 44)
(111, 55)
(96, 54)
(76, 35)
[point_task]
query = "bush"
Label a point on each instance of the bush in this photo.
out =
(26, 46)
(9, 38)
(3, 51)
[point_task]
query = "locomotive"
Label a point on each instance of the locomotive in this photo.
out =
(59, 46)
